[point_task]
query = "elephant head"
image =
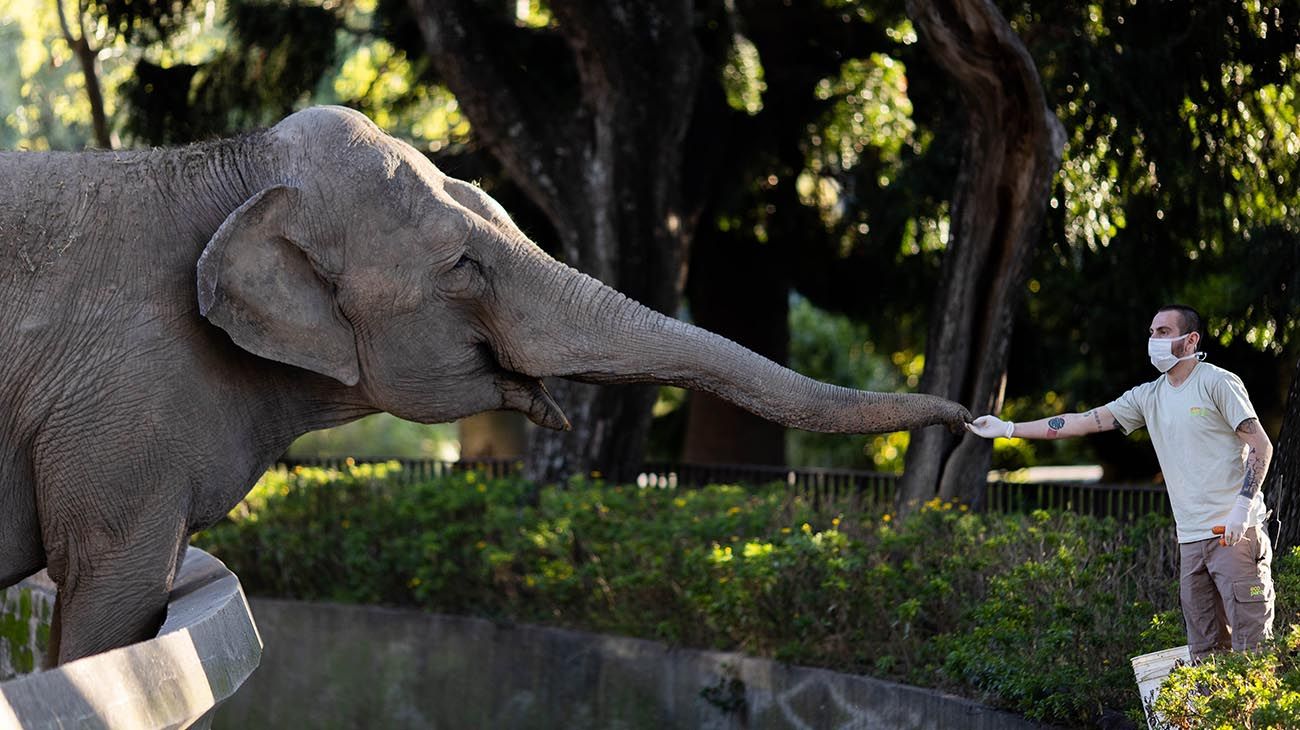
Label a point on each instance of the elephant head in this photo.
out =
(365, 263)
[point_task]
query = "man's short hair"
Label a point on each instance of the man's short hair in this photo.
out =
(1191, 319)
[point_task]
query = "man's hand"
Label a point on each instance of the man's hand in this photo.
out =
(1235, 526)
(991, 427)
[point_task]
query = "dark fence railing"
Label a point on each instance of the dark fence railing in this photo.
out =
(822, 486)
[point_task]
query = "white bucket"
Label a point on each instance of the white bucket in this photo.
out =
(1150, 671)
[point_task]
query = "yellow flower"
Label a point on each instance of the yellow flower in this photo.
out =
(785, 531)
(886, 518)
(835, 522)
(480, 544)
(807, 528)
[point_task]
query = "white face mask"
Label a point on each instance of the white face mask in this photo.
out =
(1162, 355)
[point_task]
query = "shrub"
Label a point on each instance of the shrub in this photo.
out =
(1258, 689)
(1038, 613)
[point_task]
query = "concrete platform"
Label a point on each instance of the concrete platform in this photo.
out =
(207, 647)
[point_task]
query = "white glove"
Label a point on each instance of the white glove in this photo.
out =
(1235, 525)
(991, 427)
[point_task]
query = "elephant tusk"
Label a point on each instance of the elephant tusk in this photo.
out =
(529, 396)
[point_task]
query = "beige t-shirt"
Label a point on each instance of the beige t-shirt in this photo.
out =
(1194, 429)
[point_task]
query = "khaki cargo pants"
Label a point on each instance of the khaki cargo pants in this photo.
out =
(1227, 592)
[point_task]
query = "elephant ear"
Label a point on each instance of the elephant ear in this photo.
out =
(258, 282)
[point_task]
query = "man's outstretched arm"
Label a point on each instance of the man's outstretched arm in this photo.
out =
(1065, 425)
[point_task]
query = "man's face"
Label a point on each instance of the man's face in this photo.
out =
(1168, 325)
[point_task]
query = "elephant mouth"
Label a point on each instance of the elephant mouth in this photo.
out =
(526, 394)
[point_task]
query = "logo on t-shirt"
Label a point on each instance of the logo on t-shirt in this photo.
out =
(1199, 411)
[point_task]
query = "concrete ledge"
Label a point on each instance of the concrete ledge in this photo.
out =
(333, 666)
(206, 648)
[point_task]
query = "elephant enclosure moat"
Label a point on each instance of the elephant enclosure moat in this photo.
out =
(359, 666)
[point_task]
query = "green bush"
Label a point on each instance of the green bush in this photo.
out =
(1258, 689)
(1036, 613)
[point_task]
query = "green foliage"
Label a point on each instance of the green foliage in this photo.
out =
(377, 437)
(1068, 618)
(835, 349)
(1037, 613)
(1239, 689)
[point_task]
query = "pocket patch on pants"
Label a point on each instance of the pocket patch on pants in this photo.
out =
(1251, 591)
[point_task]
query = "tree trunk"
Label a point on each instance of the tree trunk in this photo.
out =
(1011, 151)
(493, 435)
(86, 57)
(598, 149)
(1280, 490)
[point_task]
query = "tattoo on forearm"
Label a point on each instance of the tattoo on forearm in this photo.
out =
(1054, 426)
(1096, 417)
(1256, 467)
(1248, 426)
(1116, 423)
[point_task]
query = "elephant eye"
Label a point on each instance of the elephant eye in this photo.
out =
(462, 279)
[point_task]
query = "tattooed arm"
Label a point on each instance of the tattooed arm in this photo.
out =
(1258, 455)
(1065, 425)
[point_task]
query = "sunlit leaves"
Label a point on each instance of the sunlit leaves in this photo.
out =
(742, 76)
(44, 88)
(1090, 179)
(380, 81)
(870, 118)
(41, 84)
(871, 110)
(533, 14)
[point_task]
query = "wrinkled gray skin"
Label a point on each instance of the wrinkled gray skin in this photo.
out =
(338, 274)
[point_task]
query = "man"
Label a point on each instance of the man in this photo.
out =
(1214, 455)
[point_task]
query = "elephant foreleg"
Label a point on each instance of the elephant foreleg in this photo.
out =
(21, 553)
(110, 600)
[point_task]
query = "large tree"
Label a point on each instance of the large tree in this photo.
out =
(1282, 485)
(588, 116)
(1011, 150)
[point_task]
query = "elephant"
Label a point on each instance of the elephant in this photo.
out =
(172, 319)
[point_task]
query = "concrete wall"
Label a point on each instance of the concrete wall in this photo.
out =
(330, 666)
(204, 651)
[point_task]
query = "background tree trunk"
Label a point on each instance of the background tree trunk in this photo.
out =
(493, 435)
(1011, 151)
(86, 57)
(597, 147)
(1280, 484)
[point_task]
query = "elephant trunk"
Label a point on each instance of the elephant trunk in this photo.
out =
(586, 331)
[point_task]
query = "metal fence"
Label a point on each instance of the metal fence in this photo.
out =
(822, 486)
